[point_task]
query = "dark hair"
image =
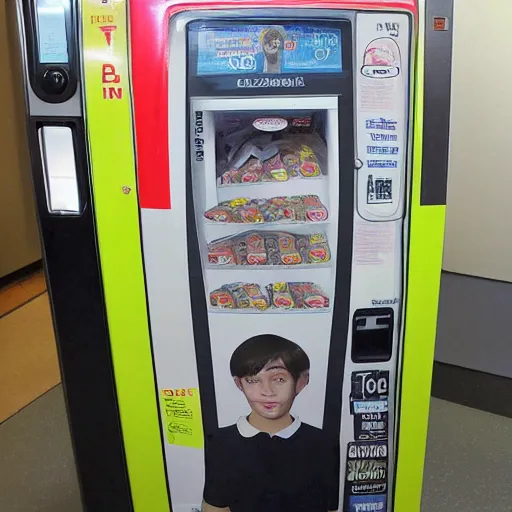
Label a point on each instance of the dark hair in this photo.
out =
(253, 354)
(272, 33)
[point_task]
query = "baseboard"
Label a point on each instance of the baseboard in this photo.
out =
(479, 390)
(21, 273)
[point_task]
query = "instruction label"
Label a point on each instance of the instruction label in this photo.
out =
(181, 412)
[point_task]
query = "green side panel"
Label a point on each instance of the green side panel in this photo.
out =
(423, 281)
(109, 130)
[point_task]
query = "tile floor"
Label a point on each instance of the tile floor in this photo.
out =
(468, 467)
(28, 357)
(21, 291)
(469, 455)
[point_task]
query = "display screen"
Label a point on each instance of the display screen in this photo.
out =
(51, 31)
(272, 49)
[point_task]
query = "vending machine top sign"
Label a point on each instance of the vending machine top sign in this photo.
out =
(149, 46)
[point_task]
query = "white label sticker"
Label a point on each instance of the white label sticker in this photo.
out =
(270, 124)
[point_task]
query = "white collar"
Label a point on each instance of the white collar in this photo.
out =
(247, 430)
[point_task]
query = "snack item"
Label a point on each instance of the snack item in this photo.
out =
(250, 214)
(302, 244)
(309, 166)
(276, 209)
(308, 295)
(258, 299)
(272, 247)
(318, 249)
(220, 254)
(288, 250)
(280, 296)
(240, 295)
(228, 177)
(241, 298)
(221, 299)
(291, 161)
(315, 210)
(274, 169)
(240, 251)
(219, 214)
(256, 253)
(251, 171)
(296, 205)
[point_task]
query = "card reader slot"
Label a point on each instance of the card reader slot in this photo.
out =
(372, 335)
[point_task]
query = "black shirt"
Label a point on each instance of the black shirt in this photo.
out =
(272, 474)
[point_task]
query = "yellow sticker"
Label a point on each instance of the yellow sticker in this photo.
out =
(181, 410)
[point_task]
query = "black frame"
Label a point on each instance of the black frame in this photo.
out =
(341, 86)
(75, 288)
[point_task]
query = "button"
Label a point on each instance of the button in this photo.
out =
(55, 81)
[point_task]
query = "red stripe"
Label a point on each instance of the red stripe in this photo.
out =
(149, 23)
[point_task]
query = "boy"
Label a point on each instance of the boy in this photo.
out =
(270, 461)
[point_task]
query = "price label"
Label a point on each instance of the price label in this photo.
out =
(181, 414)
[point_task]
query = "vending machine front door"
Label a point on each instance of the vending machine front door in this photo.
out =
(285, 230)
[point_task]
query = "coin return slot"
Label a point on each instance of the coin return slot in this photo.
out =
(372, 335)
(59, 169)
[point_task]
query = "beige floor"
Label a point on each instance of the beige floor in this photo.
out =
(28, 355)
(21, 291)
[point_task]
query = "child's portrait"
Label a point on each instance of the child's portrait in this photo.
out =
(272, 42)
(269, 461)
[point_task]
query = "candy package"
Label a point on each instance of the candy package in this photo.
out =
(269, 248)
(256, 253)
(280, 296)
(220, 253)
(239, 296)
(297, 296)
(308, 295)
(307, 208)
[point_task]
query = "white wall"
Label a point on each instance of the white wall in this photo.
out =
(473, 328)
(479, 205)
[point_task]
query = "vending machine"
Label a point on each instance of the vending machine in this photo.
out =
(241, 208)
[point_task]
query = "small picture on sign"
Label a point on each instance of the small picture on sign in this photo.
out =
(381, 59)
(441, 24)
(379, 190)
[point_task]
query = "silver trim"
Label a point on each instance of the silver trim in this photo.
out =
(33, 105)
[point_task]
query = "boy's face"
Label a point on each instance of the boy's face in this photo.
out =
(271, 392)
